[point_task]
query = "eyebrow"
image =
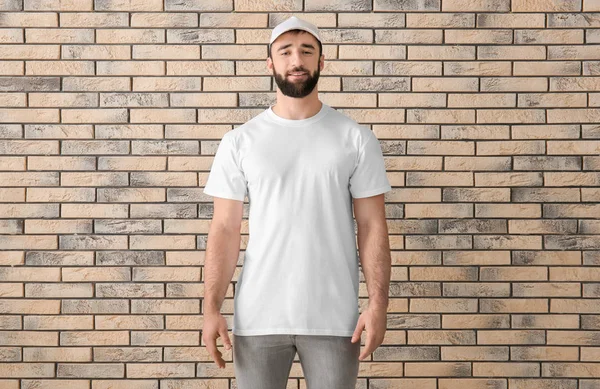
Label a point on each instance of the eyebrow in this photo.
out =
(307, 45)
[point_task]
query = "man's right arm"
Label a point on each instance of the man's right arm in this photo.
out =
(222, 251)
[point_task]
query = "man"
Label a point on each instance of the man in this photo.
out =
(302, 165)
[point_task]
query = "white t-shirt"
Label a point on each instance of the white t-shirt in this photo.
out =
(301, 269)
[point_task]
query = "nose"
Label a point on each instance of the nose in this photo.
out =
(296, 61)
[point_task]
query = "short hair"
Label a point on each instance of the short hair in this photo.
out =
(297, 31)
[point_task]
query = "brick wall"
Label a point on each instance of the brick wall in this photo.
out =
(488, 112)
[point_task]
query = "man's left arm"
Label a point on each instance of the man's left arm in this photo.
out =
(375, 259)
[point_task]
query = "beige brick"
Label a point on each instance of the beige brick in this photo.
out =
(11, 289)
(458, 321)
(546, 6)
(59, 290)
(59, 194)
(55, 384)
(100, 84)
(61, 163)
(28, 19)
(128, 384)
(200, 68)
(191, 353)
(441, 52)
(91, 370)
(514, 306)
(62, 322)
(171, 274)
(28, 115)
(132, 163)
(11, 35)
(127, 226)
(127, 354)
(170, 51)
(511, 52)
(438, 20)
(190, 163)
(131, 194)
(168, 242)
(235, 84)
(165, 306)
(160, 370)
(373, 52)
(164, 179)
(503, 369)
(443, 116)
(61, 131)
(477, 353)
(573, 52)
(184, 322)
(164, 19)
(236, 19)
(12, 163)
(28, 179)
(58, 5)
(548, 68)
(28, 147)
(95, 306)
(510, 116)
(130, 290)
(186, 226)
(12, 68)
(104, 115)
(94, 179)
(94, 338)
(52, 68)
(78, 274)
(59, 35)
(165, 338)
(29, 338)
(172, 115)
(13, 195)
(443, 305)
(580, 115)
(409, 36)
(124, 68)
(132, 322)
(44, 258)
(26, 370)
(488, 36)
(94, 19)
(187, 290)
(94, 210)
(23, 306)
(511, 20)
(57, 354)
(440, 337)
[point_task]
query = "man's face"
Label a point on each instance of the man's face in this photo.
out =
(296, 53)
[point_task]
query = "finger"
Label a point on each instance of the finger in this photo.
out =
(357, 331)
(225, 337)
(211, 346)
(367, 349)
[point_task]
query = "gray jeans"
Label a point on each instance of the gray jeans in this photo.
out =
(265, 361)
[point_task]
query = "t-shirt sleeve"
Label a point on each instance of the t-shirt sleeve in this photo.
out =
(369, 177)
(226, 178)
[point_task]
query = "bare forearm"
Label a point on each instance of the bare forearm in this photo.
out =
(222, 250)
(375, 259)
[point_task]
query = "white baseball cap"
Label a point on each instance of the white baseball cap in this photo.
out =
(294, 23)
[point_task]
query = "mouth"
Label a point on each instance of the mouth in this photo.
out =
(298, 75)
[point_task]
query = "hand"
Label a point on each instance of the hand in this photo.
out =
(373, 320)
(214, 326)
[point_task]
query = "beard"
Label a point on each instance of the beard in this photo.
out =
(299, 88)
